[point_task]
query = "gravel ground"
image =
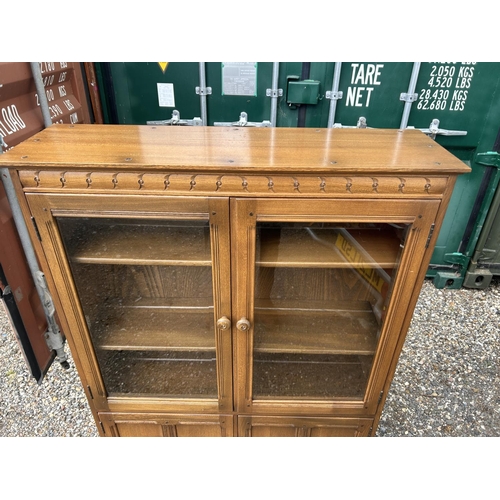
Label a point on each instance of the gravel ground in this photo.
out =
(56, 407)
(447, 382)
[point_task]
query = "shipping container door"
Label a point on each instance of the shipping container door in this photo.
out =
(457, 102)
(371, 90)
(20, 297)
(20, 118)
(135, 93)
(465, 98)
(238, 87)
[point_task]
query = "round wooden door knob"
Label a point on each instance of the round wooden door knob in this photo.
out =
(224, 323)
(243, 325)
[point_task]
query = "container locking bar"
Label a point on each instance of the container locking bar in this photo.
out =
(243, 122)
(361, 124)
(410, 96)
(274, 93)
(434, 130)
(334, 94)
(176, 120)
(203, 91)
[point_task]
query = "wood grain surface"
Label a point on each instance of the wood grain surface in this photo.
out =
(240, 150)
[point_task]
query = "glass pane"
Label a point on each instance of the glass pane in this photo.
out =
(145, 287)
(321, 290)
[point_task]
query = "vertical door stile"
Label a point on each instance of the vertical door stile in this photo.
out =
(221, 262)
(249, 309)
(243, 263)
(53, 247)
(403, 293)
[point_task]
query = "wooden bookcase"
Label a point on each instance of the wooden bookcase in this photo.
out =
(234, 281)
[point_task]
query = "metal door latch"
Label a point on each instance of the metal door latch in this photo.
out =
(434, 130)
(361, 124)
(176, 120)
(243, 122)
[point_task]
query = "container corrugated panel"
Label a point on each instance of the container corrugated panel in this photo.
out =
(20, 113)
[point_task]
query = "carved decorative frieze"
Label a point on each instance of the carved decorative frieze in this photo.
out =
(231, 184)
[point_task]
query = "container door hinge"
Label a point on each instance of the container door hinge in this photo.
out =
(176, 120)
(489, 159)
(370, 431)
(102, 427)
(33, 220)
(243, 122)
(90, 392)
(456, 258)
(431, 232)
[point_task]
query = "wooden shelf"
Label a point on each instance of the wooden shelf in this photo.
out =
(142, 245)
(292, 247)
(344, 328)
(155, 329)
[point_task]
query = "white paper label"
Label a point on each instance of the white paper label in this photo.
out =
(166, 95)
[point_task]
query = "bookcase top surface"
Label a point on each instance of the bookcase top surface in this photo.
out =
(236, 150)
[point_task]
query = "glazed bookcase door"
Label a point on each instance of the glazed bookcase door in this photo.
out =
(323, 288)
(146, 294)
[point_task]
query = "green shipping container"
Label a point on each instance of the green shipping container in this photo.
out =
(485, 262)
(457, 103)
